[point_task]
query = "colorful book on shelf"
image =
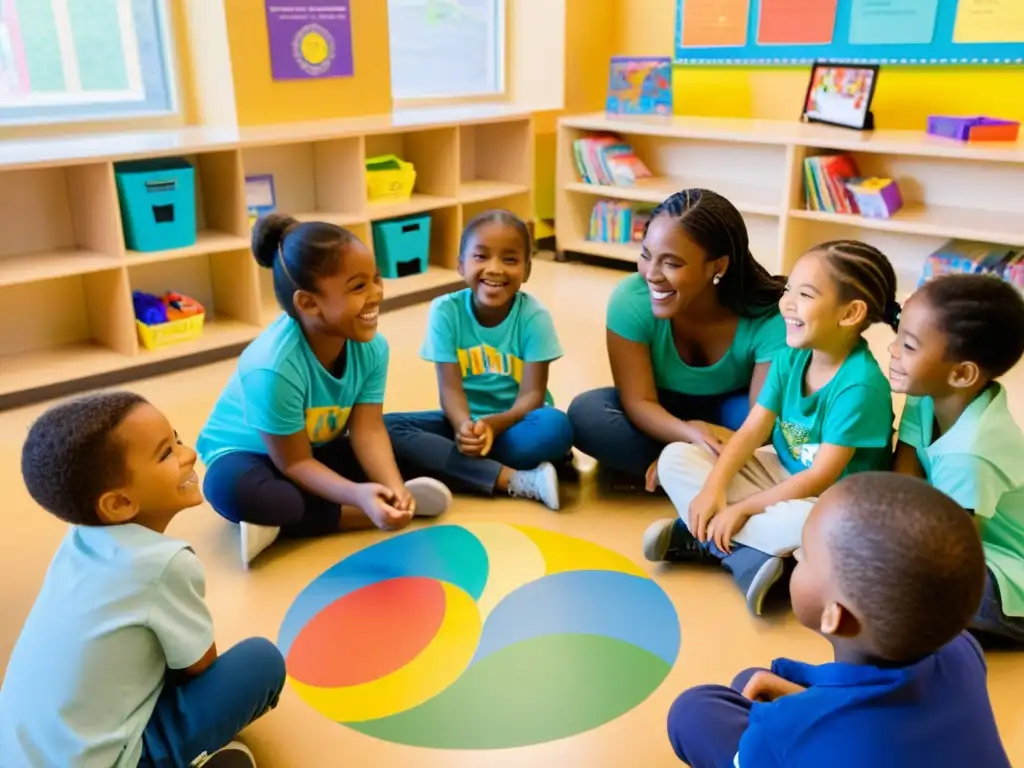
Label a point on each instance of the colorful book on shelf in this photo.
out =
(608, 161)
(612, 221)
(969, 257)
(825, 183)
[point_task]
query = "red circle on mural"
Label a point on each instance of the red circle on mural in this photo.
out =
(368, 633)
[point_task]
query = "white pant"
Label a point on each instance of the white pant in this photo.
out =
(683, 469)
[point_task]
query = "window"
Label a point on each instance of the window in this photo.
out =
(444, 49)
(71, 60)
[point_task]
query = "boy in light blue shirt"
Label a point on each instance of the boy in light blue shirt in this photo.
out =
(116, 664)
(497, 430)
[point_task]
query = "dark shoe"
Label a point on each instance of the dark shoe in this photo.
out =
(670, 541)
(234, 755)
(758, 577)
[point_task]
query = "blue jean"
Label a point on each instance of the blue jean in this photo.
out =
(206, 712)
(424, 444)
(604, 431)
(991, 620)
(706, 723)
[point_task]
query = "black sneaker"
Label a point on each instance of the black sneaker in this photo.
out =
(670, 541)
(234, 755)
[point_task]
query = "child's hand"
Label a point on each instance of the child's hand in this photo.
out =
(727, 524)
(404, 500)
(378, 503)
(703, 508)
(651, 480)
(708, 435)
(767, 686)
(467, 440)
(483, 430)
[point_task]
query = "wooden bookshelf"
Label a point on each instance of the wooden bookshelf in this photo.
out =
(66, 276)
(951, 190)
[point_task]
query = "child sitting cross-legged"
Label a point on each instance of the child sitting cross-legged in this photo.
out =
(116, 664)
(890, 572)
(957, 335)
(826, 406)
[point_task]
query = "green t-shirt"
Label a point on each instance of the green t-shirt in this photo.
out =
(757, 340)
(280, 388)
(491, 359)
(979, 463)
(854, 410)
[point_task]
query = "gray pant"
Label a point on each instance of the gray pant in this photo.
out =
(990, 618)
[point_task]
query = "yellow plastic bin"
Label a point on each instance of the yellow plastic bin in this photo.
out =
(388, 177)
(168, 334)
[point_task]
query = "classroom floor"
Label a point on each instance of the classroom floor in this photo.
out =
(716, 635)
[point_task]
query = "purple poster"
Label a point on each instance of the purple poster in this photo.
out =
(309, 38)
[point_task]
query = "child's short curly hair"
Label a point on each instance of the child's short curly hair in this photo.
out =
(71, 456)
(982, 318)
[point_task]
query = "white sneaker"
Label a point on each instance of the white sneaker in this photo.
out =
(256, 538)
(234, 755)
(540, 484)
(432, 496)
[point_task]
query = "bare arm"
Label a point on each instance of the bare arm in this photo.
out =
(828, 466)
(532, 392)
(293, 457)
(634, 378)
(756, 429)
(372, 445)
(757, 380)
(452, 394)
(905, 461)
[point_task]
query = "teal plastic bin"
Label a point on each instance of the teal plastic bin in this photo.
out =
(402, 246)
(158, 203)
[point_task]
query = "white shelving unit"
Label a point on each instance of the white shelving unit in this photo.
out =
(66, 276)
(950, 189)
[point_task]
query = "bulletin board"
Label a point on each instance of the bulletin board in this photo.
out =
(773, 32)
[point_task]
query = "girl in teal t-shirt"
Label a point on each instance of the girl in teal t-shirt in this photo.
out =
(296, 442)
(826, 407)
(497, 430)
(690, 338)
(957, 335)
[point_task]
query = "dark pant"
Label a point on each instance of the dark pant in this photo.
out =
(990, 618)
(604, 431)
(705, 723)
(248, 488)
(205, 713)
(425, 443)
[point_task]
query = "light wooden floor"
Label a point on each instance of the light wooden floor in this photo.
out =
(718, 637)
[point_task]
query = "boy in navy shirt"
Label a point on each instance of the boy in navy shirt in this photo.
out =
(890, 572)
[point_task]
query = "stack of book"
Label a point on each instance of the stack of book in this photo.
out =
(617, 222)
(825, 179)
(965, 256)
(608, 160)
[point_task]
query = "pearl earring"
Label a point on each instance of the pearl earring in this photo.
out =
(716, 279)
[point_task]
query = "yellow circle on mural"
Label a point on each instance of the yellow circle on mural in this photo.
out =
(315, 48)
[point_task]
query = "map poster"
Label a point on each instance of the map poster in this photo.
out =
(309, 38)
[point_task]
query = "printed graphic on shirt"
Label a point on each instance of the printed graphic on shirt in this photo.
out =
(796, 436)
(326, 423)
(482, 359)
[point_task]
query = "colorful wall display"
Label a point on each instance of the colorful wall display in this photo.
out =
(774, 32)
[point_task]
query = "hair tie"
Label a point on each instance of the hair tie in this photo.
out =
(893, 312)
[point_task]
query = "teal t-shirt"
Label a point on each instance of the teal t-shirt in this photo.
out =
(491, 359)
(854, 410)
(120, 605)
(979, 463)
(280, 388)
(757, 340)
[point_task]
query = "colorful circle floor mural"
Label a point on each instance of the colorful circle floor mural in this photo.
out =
(482, 636)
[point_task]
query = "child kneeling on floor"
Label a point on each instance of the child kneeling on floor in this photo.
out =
(116, 664)
(827, 407)
(890, 572)
(497, 430)
(957, 335)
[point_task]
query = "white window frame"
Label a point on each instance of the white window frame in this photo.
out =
(501, 55)
(159, 85)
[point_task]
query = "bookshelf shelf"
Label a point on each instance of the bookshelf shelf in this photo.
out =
(66, 277)
(758, 165)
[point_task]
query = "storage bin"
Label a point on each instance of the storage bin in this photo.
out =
(388, 177)
(158, 203)
(170, 333)
(973, 128)
(402, 246)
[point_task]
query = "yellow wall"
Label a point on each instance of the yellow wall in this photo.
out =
(905, 96)
(260, 100)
